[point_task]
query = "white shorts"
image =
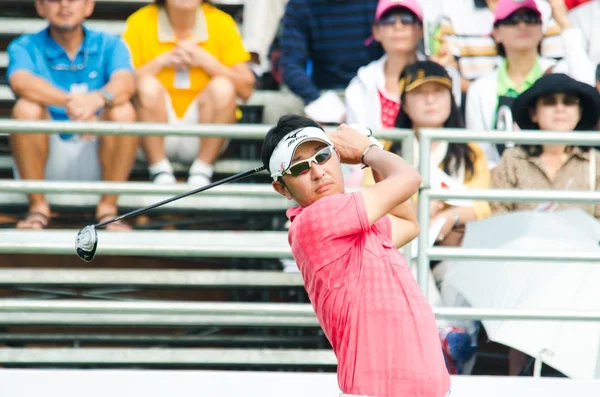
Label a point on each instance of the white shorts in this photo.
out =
(74, 159)
(181, 149)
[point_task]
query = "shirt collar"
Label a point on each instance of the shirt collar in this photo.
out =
(167, 35)
(575, 152)
(293, 212)
(54, 50)
(508, 85)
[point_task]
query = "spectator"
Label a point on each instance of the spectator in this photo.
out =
(587, 18)
(428, 103)
(554, 103)
(466, 27)
(331, 36)
(69, 72)
(517, 33)
(373, 96)
(191, 67)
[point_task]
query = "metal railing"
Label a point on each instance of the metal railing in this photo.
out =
(426, 253)
(426, 194)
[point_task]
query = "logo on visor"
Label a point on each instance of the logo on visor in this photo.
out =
(294, 138)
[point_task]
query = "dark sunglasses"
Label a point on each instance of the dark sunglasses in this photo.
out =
(405, 18)
(302, 167)
(553, 100)
(529, 18)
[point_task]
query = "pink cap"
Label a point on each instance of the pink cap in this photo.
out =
(506, 7)
(385, 5)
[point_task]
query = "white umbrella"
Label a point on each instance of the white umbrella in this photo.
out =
(570, 347)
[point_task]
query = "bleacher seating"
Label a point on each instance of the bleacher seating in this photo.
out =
(217, 275)
(240, 263)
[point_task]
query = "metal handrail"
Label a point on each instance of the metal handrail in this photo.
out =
(426, 136)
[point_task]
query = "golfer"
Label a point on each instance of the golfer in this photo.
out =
(367, 301)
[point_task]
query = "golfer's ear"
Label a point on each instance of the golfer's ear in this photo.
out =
(281, 189)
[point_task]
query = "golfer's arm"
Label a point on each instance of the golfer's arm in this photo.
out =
(36, 89)
(398, 182)
(403, 217)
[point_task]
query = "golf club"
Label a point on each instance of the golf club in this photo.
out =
(87, 238)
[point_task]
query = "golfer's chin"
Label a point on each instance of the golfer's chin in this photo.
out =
(328, 189)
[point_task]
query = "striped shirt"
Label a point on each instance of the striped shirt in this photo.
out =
(467, 25)
(331, 35)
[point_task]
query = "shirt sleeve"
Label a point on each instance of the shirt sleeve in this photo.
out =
(232, 45)
(120, 59)
(294, 52)
(19, 59)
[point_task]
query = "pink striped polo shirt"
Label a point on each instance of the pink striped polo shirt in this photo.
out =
(367, 301)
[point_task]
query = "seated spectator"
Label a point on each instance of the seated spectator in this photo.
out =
(517, 33)
(427, 102)
(373, 96)
(69, 72)
(191, 68)
(466, 27)
(331, 36)
(554, 103)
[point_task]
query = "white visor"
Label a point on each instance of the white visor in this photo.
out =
(282, 156)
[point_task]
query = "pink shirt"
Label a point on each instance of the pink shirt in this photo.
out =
(367, 301)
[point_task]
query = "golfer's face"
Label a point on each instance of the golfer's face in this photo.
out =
(319, 181)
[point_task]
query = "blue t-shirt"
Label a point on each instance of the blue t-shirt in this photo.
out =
(101, 54)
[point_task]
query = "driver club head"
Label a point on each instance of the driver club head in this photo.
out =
(86, 243)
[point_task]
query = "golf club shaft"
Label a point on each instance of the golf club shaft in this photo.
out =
(170, 200)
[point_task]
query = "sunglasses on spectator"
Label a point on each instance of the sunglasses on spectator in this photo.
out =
(529, 18)
(302, 167)
(553, 100)
(405, 18)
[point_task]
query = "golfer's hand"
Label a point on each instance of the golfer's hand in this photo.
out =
(349, 143)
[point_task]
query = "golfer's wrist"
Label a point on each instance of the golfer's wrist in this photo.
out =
(368, 153)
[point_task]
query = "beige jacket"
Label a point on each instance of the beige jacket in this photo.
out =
(517, 170)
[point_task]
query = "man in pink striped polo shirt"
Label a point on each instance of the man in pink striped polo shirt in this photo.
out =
(369, 305)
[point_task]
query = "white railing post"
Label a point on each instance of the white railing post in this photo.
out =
(423, 207)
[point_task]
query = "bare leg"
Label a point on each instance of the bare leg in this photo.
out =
(30, 153)
(151, 107)
(117, 155)
(216, 105)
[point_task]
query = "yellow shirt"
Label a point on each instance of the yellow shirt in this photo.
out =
(148, 34)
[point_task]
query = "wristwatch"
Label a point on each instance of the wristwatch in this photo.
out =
(107, 96)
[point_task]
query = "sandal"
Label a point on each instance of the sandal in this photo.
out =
(115, 226)
(34, 220)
